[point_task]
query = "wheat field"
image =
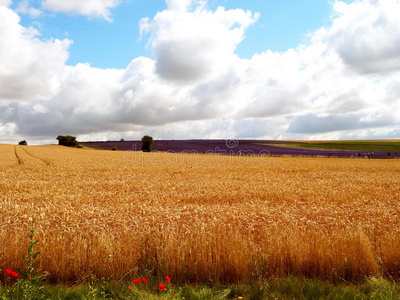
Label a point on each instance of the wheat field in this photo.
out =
(198, 218)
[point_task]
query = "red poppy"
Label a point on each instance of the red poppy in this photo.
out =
(376, 252)
(14, 274)
(167, 279)
(144, 280)
(8, 271)
(136, 280)
(129, 288)
(161, 287)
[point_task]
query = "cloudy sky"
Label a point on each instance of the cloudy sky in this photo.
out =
(184, 69)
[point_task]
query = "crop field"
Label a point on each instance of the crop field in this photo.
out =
(380, 149)
(198, 217)
(364, 146)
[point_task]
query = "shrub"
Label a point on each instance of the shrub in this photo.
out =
(147, 143)
(114, 148)
(23, 143)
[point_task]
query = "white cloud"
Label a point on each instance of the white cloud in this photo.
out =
(24, 8)
(29, 68)
(182, 5)
(366, 35)
(195, 45)
(90, 8)
(196, 87)
(5, 2)
(7, 133)
(39, 109)
(266, 84)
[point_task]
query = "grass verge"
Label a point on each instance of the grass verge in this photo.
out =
(288, 288)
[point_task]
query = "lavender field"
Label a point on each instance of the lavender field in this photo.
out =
(234, 147)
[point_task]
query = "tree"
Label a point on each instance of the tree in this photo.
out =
(68, 140)
(147, 143)
(23, 143)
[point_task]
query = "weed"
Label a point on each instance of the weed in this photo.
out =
(30, 284)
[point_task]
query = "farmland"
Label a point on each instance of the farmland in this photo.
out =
(199, 217)
(381, 149)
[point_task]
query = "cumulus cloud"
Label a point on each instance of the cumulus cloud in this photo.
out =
(193, 45)
(266, 85)
(24, 8)
(366, 35)
(314, 124)
(183, 5)
(30, 69)
(83, 104)
(90, 8)
(341, 83)
(7, 132)
(5, 2)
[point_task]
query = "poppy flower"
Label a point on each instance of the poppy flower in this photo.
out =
(136, 280)
(376, 252)
(167, 279)
(8, 271)
(129, 288)
(14, 274)
(161, 287)
(144, 280)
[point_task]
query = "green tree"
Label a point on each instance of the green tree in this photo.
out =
(23, 143)
(147, 143)
(68, 140)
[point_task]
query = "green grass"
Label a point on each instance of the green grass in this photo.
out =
(289, 288)
(352, 146)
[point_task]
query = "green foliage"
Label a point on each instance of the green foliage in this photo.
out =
(204, 293)
(287, 288)
(147, 143)
(23, 143)
(115, 148)
(30, 283)
(98, 289)
(69, 141)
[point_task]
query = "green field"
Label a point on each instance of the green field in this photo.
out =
(350, 146)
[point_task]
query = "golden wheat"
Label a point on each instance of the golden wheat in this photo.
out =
(199, 217)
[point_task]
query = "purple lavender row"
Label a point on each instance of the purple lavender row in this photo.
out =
(229, 147)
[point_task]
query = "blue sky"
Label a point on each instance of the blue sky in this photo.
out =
(282, 25)
(259, 69)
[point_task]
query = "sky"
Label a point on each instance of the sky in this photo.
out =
(197, 69)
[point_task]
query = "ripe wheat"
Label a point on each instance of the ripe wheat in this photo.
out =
(199, 217)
